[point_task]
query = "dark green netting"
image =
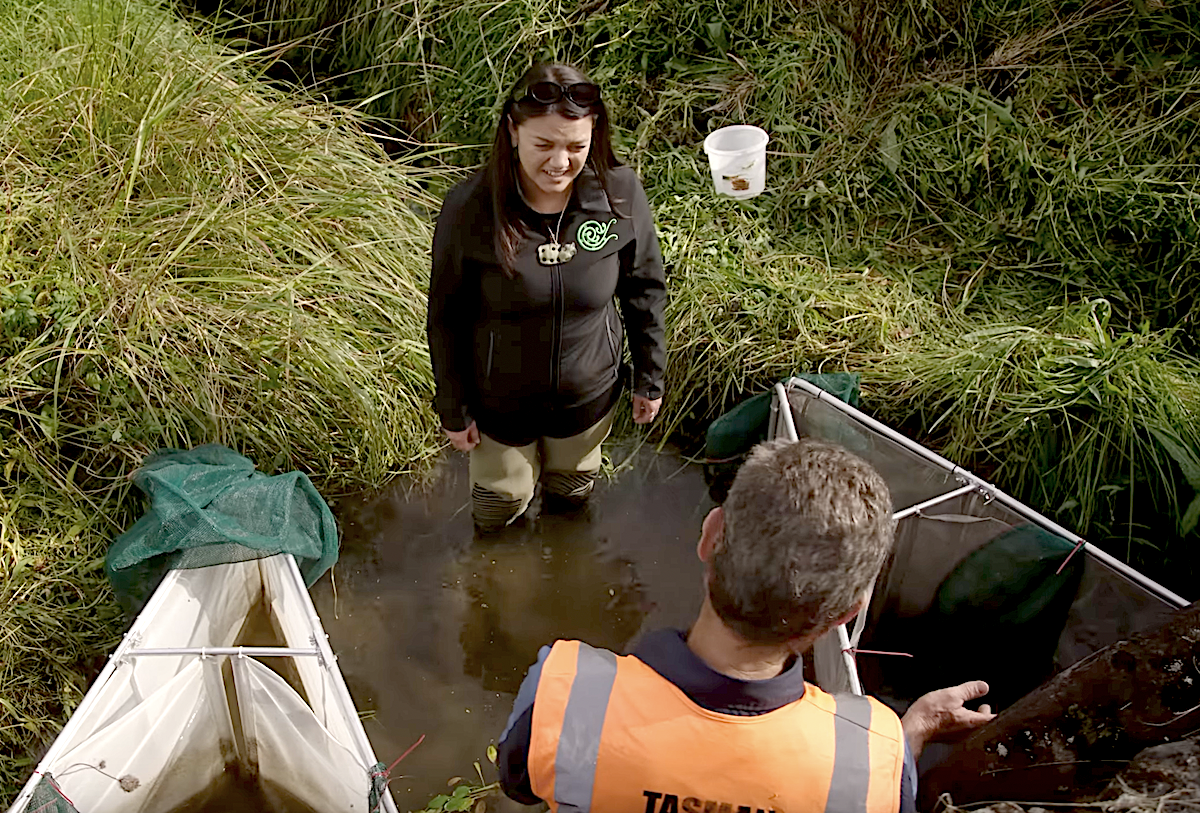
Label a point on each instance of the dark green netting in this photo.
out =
(209, 506)
(1009, 596)
(731, 436)
(47, 798)
(1012, 581)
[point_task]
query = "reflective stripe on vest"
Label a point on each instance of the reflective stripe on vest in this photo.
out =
(583, 722)
(851, 756)
(836, 755)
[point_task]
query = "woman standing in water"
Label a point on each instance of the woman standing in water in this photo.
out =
(524, 334)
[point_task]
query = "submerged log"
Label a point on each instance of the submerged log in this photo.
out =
(1065, 740)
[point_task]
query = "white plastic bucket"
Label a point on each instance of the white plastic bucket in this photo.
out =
(737, 156)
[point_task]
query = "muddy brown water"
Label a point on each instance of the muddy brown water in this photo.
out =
(261, 628)
(435, 626)
(233, 793)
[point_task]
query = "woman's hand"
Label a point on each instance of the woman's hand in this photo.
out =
(645, 410)
(466, 440)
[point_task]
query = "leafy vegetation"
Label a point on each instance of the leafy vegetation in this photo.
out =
(467, 794)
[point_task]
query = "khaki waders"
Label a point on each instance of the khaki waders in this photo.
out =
(503, 477)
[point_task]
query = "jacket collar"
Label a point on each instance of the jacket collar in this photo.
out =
(587, 193)
(590, 193)
(666, 652)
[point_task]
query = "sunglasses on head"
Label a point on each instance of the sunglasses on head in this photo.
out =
(584, 94)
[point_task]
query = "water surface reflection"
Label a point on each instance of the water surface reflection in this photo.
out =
(435, 626)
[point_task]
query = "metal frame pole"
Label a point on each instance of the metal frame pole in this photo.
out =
(238, 651)
(1148, 584)
(843, 635)
(329, 660)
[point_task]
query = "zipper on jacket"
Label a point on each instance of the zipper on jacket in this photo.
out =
(557, 302)
(491, 348)
(612, 338)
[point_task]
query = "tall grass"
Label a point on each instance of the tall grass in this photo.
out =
(56, 617)
(1053, 140)
(937, 169)
(1000, 237)
(748, 309)
(1096, 426)
(1091, 422)
(192, 257)
(185, 256)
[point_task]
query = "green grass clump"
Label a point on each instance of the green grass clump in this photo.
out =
(1085, 421)
(190, 257)
(748, 309)
(1041, 159)
(57, 617)
(186, 256)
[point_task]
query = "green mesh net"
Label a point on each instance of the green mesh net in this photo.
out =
(731, 436)
(47, 798)
(210, 506)
(1011, 595)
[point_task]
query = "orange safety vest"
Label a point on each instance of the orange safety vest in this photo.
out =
(611, 735)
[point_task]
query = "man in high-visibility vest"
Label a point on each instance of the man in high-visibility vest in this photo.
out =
(718, 719)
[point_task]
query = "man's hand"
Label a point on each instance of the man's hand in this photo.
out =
(942, 715)
(466, 440)
(645, 410)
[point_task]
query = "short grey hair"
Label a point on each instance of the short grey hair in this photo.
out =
(807, 527)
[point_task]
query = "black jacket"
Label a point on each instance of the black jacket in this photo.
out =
(547, 340)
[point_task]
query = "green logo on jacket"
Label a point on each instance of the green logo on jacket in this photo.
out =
(594, 235)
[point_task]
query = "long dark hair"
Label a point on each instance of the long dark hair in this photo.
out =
(501, 166)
